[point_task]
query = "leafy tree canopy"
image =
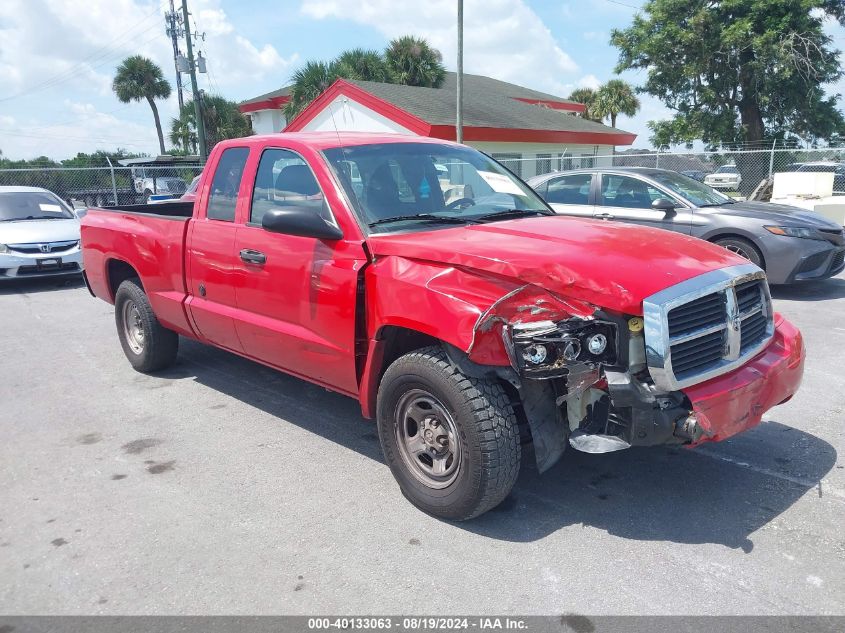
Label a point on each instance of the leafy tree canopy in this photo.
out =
(222, 121)
(736, 72)
(407, 60)
(587, 96)
(614, 98)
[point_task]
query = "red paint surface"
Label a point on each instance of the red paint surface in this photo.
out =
(737, 401)
(301, 313)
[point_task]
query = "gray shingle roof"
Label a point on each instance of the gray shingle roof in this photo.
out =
(487, 103)
(281, 92)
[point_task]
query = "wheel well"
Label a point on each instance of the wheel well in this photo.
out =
(737, 236)
(399, 341)
(119, 271)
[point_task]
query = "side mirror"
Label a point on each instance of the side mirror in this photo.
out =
(665, 205)
(301, 221)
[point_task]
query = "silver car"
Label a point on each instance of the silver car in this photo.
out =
(789, 243)
(39, 234)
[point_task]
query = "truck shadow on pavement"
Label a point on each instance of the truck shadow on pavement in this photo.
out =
(833, 288)
(719, 493)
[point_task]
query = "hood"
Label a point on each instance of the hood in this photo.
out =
(614, 266)
(770, 212)
(31, 231)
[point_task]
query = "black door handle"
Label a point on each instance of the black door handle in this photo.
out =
(253, 257)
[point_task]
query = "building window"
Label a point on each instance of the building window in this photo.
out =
(511, 161)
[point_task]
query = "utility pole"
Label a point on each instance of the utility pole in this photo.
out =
(459, 114)
(173, 31)
(194, 87)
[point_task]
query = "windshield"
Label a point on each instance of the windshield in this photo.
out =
(399, 186)
(32, 205)
(726, 169)
(696, 192)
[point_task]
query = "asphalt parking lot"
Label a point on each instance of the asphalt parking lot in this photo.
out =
(221, 486)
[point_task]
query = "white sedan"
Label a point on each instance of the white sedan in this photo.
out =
(39, 234)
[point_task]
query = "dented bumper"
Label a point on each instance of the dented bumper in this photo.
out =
(735, 402)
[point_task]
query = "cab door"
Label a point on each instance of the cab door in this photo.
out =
(296, 295)
(569, 194)
(211, 262)
(627, 198)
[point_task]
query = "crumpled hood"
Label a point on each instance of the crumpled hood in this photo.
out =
(613, 266)
(34, 231)
(777, 213)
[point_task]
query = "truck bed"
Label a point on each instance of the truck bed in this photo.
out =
(149, 238)
(181, 210)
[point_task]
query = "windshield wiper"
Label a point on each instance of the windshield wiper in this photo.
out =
(423, 217)
(510, 213)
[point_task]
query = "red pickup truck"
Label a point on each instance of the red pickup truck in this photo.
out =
(427, 281)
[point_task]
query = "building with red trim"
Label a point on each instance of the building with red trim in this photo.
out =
(530, 131)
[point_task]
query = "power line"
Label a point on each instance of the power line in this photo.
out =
(106, 53)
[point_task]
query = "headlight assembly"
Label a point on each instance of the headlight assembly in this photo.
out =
(545, 349)
(792, 231)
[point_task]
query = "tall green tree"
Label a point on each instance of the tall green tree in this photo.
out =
(363, 65)
(414, 62)
(587, 96)
(139, 78)
(736, 72)
(614, 98)
(222, 120)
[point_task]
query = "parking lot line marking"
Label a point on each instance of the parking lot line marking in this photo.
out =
(823, 486)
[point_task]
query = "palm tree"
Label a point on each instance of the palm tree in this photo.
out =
(587, 96)
(414, 63)
(139, 78)
(614, 98)
(221, 119)
(308, 83)
(363, 65)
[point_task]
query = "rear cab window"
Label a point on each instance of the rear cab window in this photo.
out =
(223, 198)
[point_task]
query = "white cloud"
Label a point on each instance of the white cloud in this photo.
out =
(589, 81)
(504, 39)
(54, 49)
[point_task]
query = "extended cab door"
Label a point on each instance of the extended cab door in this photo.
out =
(569, 194)
(629, 199)
(297, 295)
(211, 262)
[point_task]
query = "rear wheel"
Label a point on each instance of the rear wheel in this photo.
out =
(451, 441)
(743, 248)
(148, 345)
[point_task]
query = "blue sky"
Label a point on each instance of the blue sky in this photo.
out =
(57, 59)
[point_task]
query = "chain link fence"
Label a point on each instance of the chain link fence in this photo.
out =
(101, 186)
(733, 172)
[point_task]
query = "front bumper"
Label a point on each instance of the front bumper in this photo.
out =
(26, 266)
(735, 402)
(792, 259)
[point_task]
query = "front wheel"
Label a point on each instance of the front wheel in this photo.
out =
(743, 248)
(451, 441)
(148, 345)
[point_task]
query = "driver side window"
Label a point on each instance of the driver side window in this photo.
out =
(628, 192)
(284, 179)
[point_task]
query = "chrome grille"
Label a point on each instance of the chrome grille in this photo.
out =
(707, 326)
(44, 247)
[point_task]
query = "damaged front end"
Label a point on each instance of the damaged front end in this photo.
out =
(602, 382)
(582, 376)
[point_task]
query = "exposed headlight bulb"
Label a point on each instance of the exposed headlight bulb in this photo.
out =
(535, 354)
(597, 343)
